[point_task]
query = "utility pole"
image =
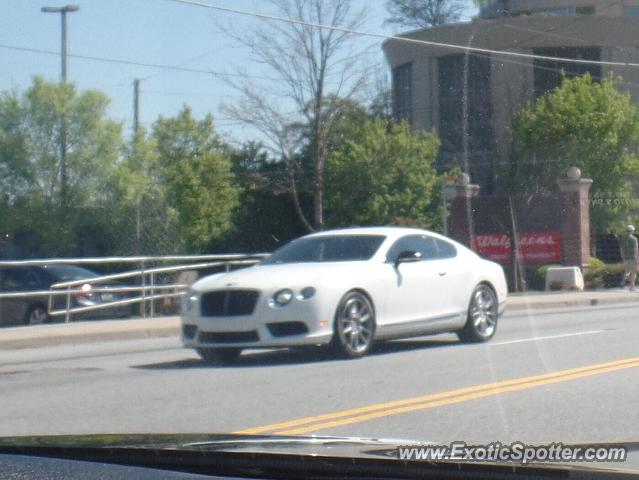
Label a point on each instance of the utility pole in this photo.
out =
(136, 127)
(63, 123)
(136, 105)
(466, 107)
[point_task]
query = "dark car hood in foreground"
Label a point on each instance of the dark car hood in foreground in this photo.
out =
(285, 457)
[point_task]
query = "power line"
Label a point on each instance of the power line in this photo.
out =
(190, 94)
(134, 63)
(405, 39)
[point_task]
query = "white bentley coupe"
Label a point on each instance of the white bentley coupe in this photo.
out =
(346, 289)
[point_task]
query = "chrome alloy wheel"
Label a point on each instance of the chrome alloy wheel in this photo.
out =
(483, 311)
(355, 324)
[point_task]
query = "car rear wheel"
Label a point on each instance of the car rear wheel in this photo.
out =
(36, 315)
(354, 326)
(481, 322)
(219, 356)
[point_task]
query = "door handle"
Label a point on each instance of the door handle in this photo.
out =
(441, 274)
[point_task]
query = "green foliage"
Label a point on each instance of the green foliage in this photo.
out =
(586, 124)
(265, 218)
(597, 275)
(30, 160)
(139, 200)
(381, 173)
(596, 263)
(195, 169)
(601, 275)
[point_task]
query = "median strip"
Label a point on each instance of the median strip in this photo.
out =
(307, 425)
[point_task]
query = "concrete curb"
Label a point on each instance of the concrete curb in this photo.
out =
(88, 332)
(140, 328)
(548, 300)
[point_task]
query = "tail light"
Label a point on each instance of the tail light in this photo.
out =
(86, 292)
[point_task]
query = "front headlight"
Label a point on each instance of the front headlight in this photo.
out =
(283, 297)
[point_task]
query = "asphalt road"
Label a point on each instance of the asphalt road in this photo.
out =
(568, 375)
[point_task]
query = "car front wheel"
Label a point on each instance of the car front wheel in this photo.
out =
(481, 322)
(354, 326)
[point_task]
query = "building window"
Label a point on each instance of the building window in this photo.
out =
(451, 98)
(479, 123)
(567, 11)
(631, 10)
(549, 73)
(402, 92)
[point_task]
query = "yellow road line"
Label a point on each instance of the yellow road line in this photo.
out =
(356, 415)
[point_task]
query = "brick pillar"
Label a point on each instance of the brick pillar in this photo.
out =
(462, 211)
(575, 218)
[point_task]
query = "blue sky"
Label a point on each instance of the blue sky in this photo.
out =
(150, 31)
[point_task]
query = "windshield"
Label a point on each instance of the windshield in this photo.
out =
(67, 273)
(440, 199)
(341, 248)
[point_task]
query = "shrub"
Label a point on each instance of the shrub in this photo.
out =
(596, 263)
(601, 275)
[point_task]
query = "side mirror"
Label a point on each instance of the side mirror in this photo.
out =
(407, 256)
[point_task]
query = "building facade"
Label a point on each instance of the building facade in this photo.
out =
(470, 98)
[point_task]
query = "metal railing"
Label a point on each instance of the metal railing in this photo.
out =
(148, 288)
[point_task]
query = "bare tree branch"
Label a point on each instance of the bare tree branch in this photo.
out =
(312, 65)
(423, 13)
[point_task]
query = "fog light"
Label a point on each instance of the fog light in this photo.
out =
(306, 293)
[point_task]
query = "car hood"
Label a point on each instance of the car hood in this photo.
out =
(314, 445)
(278, 275)
(260, 453)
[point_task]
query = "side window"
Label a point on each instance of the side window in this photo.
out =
(416, 243)
(428, 248)
(445, 249)
(400, 245)
(17, 279)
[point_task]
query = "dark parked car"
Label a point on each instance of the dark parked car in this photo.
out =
(33, 310)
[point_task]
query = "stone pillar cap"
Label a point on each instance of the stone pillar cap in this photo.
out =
(577, 185)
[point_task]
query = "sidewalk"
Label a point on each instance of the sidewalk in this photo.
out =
(589, 298)
(88, 332)
(111, 330)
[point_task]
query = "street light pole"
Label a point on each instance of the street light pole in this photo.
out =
(63, 127)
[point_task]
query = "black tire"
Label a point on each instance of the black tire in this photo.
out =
(36, 315)
(482, 317)
(219, 356)
(354, 326)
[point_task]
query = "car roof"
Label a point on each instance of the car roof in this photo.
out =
(391, 232)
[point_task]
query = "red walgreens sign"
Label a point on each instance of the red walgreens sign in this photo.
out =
(535, 247)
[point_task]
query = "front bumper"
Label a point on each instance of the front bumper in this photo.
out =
(302, 322)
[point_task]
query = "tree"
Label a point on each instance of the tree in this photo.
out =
(382, 173)
(309, 64)
(195, 169)
(139, 199)
(586, 124)
(265, 218)
(30, 161)
(423, 13)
